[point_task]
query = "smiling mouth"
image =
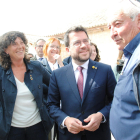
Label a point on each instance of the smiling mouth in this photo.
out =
(118, 41)
(20, 52)
(85, 52)
(53, 52)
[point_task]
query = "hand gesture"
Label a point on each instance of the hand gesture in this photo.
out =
(59, 60)
(93, 121)
(73, 125)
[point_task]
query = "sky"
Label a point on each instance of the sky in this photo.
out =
(38, 17)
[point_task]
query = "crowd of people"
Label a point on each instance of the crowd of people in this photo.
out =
(43, 97)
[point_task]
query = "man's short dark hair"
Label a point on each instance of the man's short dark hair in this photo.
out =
(39, 40)
(73, 29)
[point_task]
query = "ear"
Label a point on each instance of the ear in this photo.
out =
(6, 51)
(138, 21)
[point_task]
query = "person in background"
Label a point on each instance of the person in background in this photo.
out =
(51, 51)
(82, 87)
(23, 112)
(124, 25)
(67, 59)
(39, 57)
(52, 61)
(39, 50)
(30, 55)
(119, 65)
(94, 52)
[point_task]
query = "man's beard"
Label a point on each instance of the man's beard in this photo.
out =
(77, 58)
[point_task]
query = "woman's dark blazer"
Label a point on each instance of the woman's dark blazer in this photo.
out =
(34, 78)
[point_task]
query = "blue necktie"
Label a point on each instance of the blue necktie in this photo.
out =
(40, 59)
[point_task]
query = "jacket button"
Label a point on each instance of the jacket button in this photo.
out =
(82, 112)
(3, 90)
(39, 86)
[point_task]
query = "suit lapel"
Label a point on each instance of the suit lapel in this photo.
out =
(90, 78)
(10, 76)
(46, 64)
(72, 82)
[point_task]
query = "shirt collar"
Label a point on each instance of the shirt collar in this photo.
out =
(132, 45)
(85, 65)
(39, 57)
(51, 64)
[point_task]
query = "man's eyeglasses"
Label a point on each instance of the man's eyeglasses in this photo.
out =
(39, 46)
(56, 47)
(78, 43)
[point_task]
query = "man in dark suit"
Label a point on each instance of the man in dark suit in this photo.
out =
(67, 59)
(39, 50)
(82, 87)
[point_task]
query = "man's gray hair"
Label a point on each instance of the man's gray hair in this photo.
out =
(126, 7)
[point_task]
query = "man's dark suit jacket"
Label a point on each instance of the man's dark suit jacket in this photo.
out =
(99, 84)
(67, 59)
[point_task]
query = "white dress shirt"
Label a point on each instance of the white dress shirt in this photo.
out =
(53, 66)
(38, 57)
(84, 70)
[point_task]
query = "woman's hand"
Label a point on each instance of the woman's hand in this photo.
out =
(59, 60)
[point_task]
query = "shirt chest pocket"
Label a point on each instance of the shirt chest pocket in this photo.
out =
(124, 89)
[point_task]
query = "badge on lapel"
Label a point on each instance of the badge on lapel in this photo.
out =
(94, 67)
(31, 77)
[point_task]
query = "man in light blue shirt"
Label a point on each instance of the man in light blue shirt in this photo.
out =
(124, 24)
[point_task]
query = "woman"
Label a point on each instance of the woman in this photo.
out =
(94, 52)
(52, 61)
(23, 114)
(52, 50)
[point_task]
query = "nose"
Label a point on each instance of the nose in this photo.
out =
(20, 46)
(113, 33)
(54, 48)
(82, 45)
